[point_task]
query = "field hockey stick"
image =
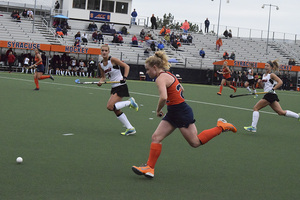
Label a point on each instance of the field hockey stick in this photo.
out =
(105, 82)
(241, 95)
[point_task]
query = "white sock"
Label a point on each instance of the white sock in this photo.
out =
(121, 104)
(248, 89)
(79, 73)
(291, 114)
(255, 117)
(26, 71)
(123, 119)
(254, 90)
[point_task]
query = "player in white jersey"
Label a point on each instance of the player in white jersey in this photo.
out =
(110, 68)
(270, 82)
(250, 80)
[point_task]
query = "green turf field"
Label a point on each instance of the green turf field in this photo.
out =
(95, 161)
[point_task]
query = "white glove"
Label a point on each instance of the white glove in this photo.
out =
(271, 91)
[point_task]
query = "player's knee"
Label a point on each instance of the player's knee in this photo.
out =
(110, 107)
(195, 145)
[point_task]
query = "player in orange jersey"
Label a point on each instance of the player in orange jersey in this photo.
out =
(226, 78)
(40, 68)
(179, 115)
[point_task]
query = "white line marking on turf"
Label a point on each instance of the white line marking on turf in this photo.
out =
(143, 94)
(68, 134)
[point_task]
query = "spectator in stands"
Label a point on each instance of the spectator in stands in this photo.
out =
(55, 22)
(133, 15)
(105, 28)
(190, 38)
(225, 34)
(120, 38)
(56, 5)
(175, 44)
(78, 36)
(65, 30)
(14, 14)
(185, 26)
(95, 36)
(134, 40)
(219, 43)
(202, 53)
(153, 46)
(84, 38)
(232, 56)
(124, 30)
(30, 14)
(92, 27)
(115, 38)
(206, 22)
(24, 13)
(10, 60)
(142, 34)
(168, 30)
(229, 33)
(160, 46)
(77, 43)
(172, 37)
(59, 32)
(291, 62)
(153, 22)
(184, 38)
(163, 31)
(100, 37)
(147, 37)
(167, 38)
(225, 55)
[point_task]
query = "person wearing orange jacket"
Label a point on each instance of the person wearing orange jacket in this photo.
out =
(219, 43)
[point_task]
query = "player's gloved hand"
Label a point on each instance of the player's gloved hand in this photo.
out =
(271, 91)
(99, 83)
(124, 80)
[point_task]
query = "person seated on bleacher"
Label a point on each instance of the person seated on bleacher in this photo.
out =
(24, 13)
(95, 36)
(93, 26)
(183, 38)
(115, 38)
(232, 56)
(84, 39)
(105, 28)
(225, 55)
(124, 30)
(153, 46)
(172, 37)
(190, 38)
(14, 14)
(225, 34)
(120, 38)
(65, 30)
(142, 34)
(160, 46)
(167, 38)
(77, 43)
(78, 36)
(30, 14)
(147, 37)
(230, 33)
(163, 31)
(59, 32)
(175, 44)
(134, 40)
(100, 37)
(202, 53)
(168, 30)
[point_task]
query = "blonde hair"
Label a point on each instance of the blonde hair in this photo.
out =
(274, 64)
(160, 59)
(104, 45)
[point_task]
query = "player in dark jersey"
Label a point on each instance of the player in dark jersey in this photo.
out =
(179, 115)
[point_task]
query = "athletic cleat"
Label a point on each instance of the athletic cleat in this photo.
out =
(255, 96)
(226, 126)
(145, 170)
(129, 132)
(234, 89)
(250, 128)
(37, 89)
(133, 104)
(51, 77)
(219, 93)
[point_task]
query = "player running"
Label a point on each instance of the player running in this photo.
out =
(270, 82)
(40, 68)
(110, 68)
(179, 115)
(226, 78)
(250, 81)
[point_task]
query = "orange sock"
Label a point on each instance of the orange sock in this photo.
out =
(155, 149)
(221, 88)
(209, 134)
(232, 87)
(44, 77)
(36, 83)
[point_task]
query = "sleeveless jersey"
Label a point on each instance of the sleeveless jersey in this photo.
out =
(174, 92)
(26, 61)
(112, 72)
(249, 76)
(268, 82)
(37, 59)
(226, 76)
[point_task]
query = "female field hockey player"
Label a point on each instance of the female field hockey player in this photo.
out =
(250, 80)
(179, 115)
(270, 82)
(40, 68)
(110, 68)
(226, 78)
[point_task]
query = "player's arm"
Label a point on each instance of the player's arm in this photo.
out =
(102, 75)
(163, 95)
(121, 64)
(277, 79)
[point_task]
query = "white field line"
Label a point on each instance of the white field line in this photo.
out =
(138, 93)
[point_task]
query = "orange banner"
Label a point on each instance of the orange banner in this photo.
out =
(24, 45)
(235, 63)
